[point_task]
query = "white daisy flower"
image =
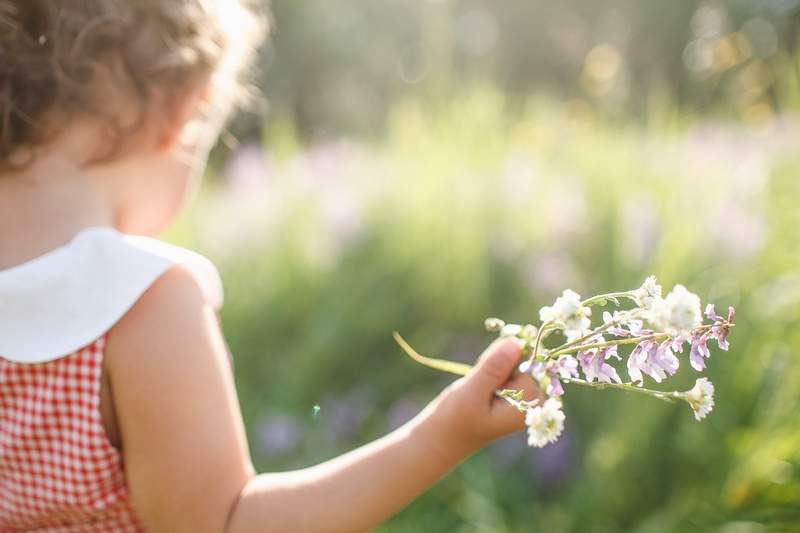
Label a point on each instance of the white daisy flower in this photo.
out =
(679, 313)
(511, 330)
(494, 324)
(701, 398)
(545, 423)
(568, 311)
(648, 294)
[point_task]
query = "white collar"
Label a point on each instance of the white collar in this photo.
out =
(71, 296)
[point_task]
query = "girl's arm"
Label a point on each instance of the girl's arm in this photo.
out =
(186, 456)
(354, 492)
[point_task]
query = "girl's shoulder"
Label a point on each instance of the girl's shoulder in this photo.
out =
(71, 296)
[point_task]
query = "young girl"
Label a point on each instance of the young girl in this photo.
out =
(118, 410)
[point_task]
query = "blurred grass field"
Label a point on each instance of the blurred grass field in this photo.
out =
(484, 207)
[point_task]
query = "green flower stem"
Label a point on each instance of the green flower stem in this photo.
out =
(585, 338)
(515, 398)
(588, 336)
(459, 369)
(629, 387)
(548, 330)
(512, 396)
(631, 340)
(595, 300)
(602, 298)
(538, 340)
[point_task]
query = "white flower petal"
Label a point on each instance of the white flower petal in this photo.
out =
(701, 398)
(545, 423)
(679, 313)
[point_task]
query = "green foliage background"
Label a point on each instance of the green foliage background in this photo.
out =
(485, 200)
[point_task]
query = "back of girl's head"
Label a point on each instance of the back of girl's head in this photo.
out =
(60, 59)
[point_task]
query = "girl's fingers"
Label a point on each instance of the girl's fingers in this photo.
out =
(508, 418)
(494, 367)
(525, 383)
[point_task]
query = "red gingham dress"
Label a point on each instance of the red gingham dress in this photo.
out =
(58, 470)
(59, 473)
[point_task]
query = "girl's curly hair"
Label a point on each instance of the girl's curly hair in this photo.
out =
(53, 52)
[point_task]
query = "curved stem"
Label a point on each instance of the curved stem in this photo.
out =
(632, 340)
(547, 331)
(586, 337)
(459, 369)
(600, 298)
(538, 340)
(462, 369)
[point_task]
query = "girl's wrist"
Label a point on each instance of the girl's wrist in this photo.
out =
(433, 430)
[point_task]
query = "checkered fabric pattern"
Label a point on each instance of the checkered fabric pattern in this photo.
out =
(58, 471)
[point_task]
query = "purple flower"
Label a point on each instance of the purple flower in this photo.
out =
(719, 332)
(564, 367)
(654, 359)
(664, 357)
(722, 330)
(594, 366)
(567, 366)
(721, 326)
(699, 351)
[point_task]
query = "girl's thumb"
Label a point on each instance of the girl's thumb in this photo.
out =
(495, 365)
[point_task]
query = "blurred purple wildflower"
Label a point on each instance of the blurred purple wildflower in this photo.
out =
(278, 434)
(737, 230)
(345, 415)
(401, 412)
(546, 272)
(507, 451)
(249, 166)
(640, 227)
(555, 462)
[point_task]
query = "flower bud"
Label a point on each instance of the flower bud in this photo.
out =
(511, 330)
(529, 332)
(494, 324)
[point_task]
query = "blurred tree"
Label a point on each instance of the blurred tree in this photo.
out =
(338, 67)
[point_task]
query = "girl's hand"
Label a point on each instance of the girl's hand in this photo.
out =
(186, 456)
(468, 415)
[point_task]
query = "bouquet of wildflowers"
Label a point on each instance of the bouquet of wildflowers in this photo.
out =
(657, 327)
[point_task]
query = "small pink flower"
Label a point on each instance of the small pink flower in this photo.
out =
(564, 367)
(594, 366)
(654, 359)
(721, 326)
(699, 351)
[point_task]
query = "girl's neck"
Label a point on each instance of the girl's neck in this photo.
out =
(44, 206)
